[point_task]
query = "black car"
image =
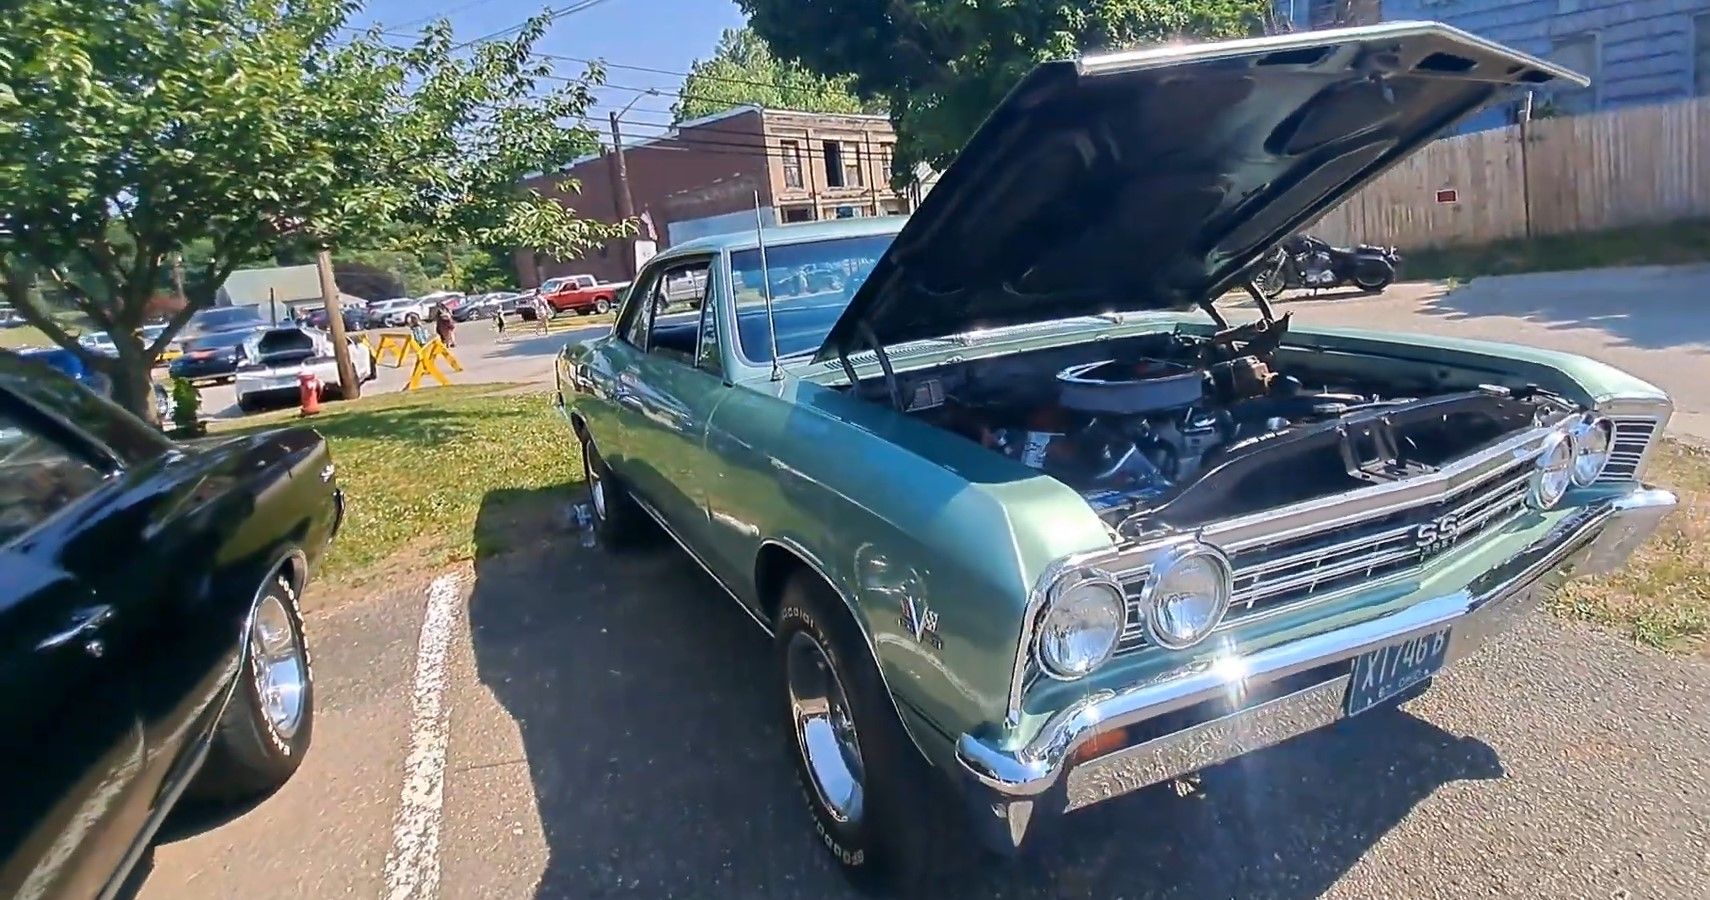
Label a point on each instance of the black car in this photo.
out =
(355, 319)
(211, 356)
(151, 642)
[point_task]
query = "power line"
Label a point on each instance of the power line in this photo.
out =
(446, 14)
(552, 15)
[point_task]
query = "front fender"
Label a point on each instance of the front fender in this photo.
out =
(935, 543)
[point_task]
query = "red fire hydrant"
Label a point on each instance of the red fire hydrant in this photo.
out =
(308, 394)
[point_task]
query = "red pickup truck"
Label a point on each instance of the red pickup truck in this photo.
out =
(581, 294)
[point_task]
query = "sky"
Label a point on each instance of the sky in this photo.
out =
(656, 34)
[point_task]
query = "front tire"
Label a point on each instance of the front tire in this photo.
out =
(260, 741)
(877, 805)
(619, 522)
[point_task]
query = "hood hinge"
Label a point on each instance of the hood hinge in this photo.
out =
(865, 332)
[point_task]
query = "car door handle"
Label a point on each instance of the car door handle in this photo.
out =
(84, 625)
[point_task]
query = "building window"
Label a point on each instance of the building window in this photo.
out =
(842, 164)
(852, 175)
(798, 214)
(1701, 55)
(1579, 53)
(792, 163)
(885, 151)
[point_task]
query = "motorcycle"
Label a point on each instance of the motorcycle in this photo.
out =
(1303, 261)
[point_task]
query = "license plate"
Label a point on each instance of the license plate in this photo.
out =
(1387, 671)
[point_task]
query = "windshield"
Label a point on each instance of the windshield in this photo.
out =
(811, 284)
(214, 319)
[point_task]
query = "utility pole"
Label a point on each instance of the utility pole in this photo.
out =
(620, 193)
(349, 386)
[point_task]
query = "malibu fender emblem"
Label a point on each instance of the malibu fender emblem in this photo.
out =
(327, 472)
(921, 623)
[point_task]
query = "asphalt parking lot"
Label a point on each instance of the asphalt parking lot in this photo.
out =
(612, 732)
(606, 724)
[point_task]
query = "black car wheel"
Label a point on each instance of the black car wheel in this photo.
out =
(619, 521)
(266, 728)
(890, 821)
(602, 306)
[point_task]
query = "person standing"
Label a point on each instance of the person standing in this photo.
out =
(445, 326)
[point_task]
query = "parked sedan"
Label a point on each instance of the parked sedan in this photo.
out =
(211, 357)
(1030, 522)
(151, 641)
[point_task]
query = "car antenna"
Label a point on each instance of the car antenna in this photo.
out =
(766, 286)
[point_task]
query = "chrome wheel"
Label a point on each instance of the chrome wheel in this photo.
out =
(596, 484)
(825, 729)
(280, 671)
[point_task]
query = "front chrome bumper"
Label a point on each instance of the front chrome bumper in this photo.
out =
(1189, 721)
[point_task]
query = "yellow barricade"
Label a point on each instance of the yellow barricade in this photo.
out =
(396, 342)
(426, 362)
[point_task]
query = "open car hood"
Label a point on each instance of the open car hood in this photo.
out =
(1150, 179)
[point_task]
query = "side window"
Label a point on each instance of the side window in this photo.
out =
(706, 351)
(37, 477)
(660, 325)
(637, 317)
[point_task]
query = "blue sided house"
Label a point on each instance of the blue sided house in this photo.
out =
(1636, 51)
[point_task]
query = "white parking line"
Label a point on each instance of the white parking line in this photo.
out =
(412, 867)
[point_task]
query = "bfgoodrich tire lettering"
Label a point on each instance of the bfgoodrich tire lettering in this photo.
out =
(257, 747)
(909, 837)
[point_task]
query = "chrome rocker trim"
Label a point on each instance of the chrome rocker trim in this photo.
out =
(1009, 790)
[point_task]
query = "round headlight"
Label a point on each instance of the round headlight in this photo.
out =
(1186, 595)
(1082, 623)
(1593, 437)
(1555, 471)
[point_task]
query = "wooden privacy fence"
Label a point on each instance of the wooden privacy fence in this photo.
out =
(1636, 166)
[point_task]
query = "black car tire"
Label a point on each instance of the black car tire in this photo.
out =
(249, 756)
(602, 306)
(619, 522)
(911, 838)
(245, 405)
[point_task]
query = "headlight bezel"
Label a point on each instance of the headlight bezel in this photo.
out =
(1582, 433)
(1170, 561)
(1056, 594)
(1540, 490)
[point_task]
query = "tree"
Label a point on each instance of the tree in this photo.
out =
(941, 65)
(743, 70)
(133, 131)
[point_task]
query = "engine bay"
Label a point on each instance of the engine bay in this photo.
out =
(1139, 426)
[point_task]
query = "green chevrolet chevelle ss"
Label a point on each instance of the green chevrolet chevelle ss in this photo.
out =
(1034, 523)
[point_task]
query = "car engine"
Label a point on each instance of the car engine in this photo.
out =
(1135, 428)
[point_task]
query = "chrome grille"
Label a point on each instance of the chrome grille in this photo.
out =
(1632, 437)
(1275, 575)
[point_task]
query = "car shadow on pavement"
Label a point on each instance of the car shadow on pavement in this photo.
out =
(646, 701)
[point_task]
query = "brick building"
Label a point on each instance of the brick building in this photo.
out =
(702, 178)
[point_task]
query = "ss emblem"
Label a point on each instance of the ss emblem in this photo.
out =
(1437, 534)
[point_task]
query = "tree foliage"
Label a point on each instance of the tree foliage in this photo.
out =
(134, 131)
(743, 70)
(941, 65)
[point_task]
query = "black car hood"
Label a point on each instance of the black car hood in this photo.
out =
(1149, 179)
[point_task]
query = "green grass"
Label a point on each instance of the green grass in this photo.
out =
(440, 475)
(1662, 597)
(1673, 244)
(31, 336)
